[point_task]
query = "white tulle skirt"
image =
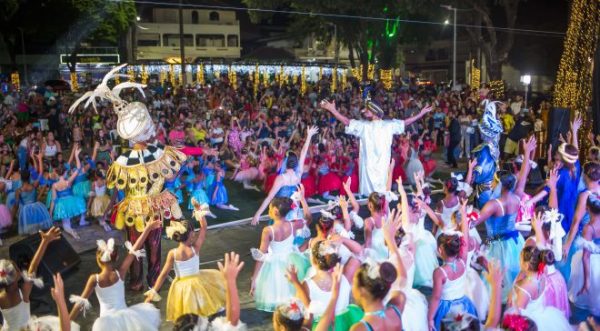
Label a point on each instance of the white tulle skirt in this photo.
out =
(140, 317)
(589, 300)
(414, 315)
(477, 291)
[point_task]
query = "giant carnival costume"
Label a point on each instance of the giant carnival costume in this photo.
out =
(487, 154)
(139, 173)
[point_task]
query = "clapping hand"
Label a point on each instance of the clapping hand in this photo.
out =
(576, 124)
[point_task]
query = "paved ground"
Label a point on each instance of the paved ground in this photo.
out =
(237, 238)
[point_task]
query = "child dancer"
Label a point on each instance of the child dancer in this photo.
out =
(5, 213)
(193, 291)
(14, 299)
(99, 200)
(449, 279)
(584, 283)
(527, 295)
(33, 215)
(64, 204)
(110, 290)
(219, 196)
(374, 241)
(197, 193)
(246, 173)
(269, 284)
(448, 205)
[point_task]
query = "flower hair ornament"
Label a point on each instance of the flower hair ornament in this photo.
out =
(557, 232)
(327, 248)
(107, 248)
(8, 272)
(515, 322)
(327, 214)
(293, 309)
(568, 158)
(372, 268)
(457, 319)
(458, 177)
(175, 227)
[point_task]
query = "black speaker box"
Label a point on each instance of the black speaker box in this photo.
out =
(60, 257)
(558, 123)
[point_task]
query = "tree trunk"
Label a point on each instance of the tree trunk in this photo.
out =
(351, 55)
(11, 48)
(72, 63)
(364, 61)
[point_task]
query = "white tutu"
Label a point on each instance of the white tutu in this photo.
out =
(414, 315)
(547, 318)
(140, 317)
(49, 323)
(246, 174)
(590, 300)
(477, 292)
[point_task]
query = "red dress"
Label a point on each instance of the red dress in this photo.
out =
(309, 181)
(328, 180)
(351, 171)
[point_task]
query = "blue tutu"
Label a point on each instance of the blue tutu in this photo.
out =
(564, 266)
(463, 304)
(33, 217)
(506, 250)
(200, 196)
(81, 187)
(173, 186)
(11, 200)
(219, 196)
(67, 205)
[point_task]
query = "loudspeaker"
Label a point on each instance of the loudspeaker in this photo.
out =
(60, 257)
(558, 123)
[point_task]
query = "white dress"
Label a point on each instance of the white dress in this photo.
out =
(319, 299)
(413, 166)
(116, 316)
(446, 217)
(590, 300)
(546, 318)
(19, 318)
(378, 250)
(476, 289)
(375, 151)
(425, 254)
(414, 315)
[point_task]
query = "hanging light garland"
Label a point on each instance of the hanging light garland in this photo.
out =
(131, 73)
(356, 72)
(475, 76)
(385, 75)
(172, 74)
(334, 80)
(117, 78)
(256, 80)
(200, 74)
(162, 76)
(281, 76)
(303, 86)
(144, 75)
(15, 81)
(497, 87)
(344, 80)
(371, 72)
(573, 88)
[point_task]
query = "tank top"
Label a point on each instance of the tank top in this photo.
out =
(454, 289)
(281, 248)
(188, 267)
(100, 190)
(319, 299)
(50, 150)
(111, 298)
(16, 317)
(446, 215)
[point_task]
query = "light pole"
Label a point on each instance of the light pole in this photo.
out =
(453, 9)
(181, 45)
(526, 80)
(24, 56)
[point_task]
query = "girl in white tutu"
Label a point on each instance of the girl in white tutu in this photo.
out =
(374, 243)
(584, 283)
(14, 299)
(99, 199)
(276, 253)
(110, 290)
(194, 291)
(527, 295)
(246, 172)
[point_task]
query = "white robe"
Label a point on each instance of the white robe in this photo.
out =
(375, 151)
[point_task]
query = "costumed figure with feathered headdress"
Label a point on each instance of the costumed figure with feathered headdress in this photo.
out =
(140, 172)
(487, 154)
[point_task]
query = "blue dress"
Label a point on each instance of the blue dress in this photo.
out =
(504, 245)
(197, 192)
(219, 196)
(82, 186)
(566, 190)
(173, 186)
(11, 200)
(454, 298)
(33, 215)
(483, 174)
(48, 182)
(564, 266)
(209, 180)
(67, 205)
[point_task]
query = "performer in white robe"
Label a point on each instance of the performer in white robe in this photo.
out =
(376, 137)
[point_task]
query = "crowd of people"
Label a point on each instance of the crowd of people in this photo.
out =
(534, 257)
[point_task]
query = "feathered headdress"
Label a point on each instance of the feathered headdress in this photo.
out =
(175, 227)
(134, 122)
(489, 125)
(293, 309)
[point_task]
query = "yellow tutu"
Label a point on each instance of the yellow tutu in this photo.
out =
(202, 294)
(99, 205)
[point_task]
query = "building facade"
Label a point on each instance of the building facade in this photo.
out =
(207, 34)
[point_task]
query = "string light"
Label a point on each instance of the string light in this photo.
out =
(497, 87)
(117, 79)
(144, 75)
(385, 75)
(200, 74)
(303, 86)
(475, 76)
(162, 76)
(573, 87)
(344, 80)
(371, 71)
(131, 73)
(15, 81)
(334, 80)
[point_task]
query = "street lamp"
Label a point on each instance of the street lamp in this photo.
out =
(453, 9)
(526, 80)
(446, 22)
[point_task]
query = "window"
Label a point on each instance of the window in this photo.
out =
(210, 40)
(195, 17)
(172, 40)
(232, 40)
(148, 39)
(213, 16)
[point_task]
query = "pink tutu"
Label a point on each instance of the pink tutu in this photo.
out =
(246, 174)
(310, 188)
(556, 294)
(5, 217)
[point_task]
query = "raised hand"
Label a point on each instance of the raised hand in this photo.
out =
(58, 291)
(347, 185)
(312, 130)
(426, 110)
(529, 145)
(255, 220)
(51, 235)
(576, 124)
(153, 225)
(292, 274)
(343, 202)
(329, 106)
(553, 177)
(230, 269)
(494, 274)
(336, 278)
